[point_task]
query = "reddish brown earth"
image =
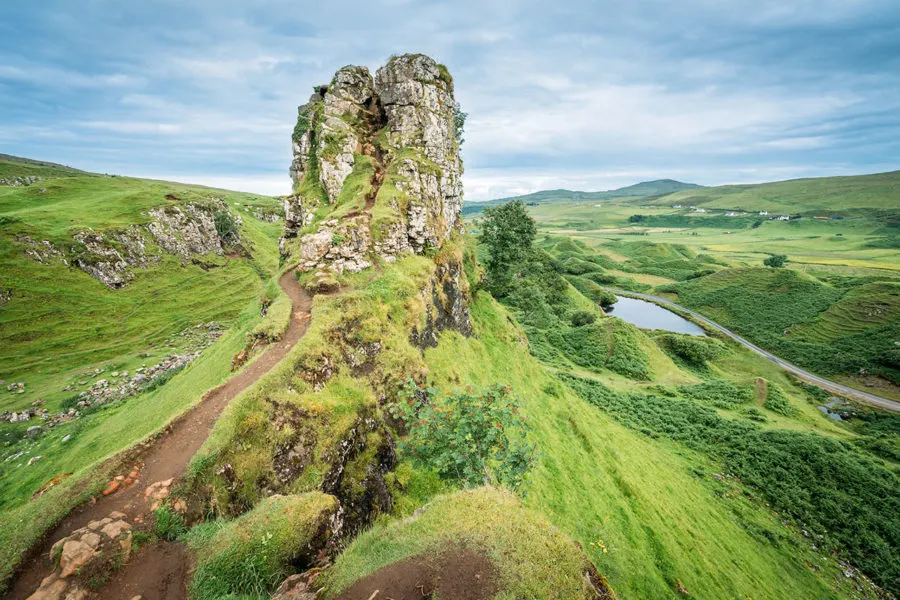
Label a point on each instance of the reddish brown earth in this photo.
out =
(162, 567)
(456, 572)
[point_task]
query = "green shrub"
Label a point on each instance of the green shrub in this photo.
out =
(470, 436)
(169, 525)
(695, 350)
(777, 401)
(583, 317)
(776, 261)
(226, 224)
(255, 552)
(717, 392)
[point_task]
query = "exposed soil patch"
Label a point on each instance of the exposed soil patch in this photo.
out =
(456, 572)
(165, 457)
(157, 572)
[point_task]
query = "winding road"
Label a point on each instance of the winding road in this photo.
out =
(825, 384)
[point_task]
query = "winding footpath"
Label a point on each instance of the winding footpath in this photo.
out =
(160, 571)
(825, 384)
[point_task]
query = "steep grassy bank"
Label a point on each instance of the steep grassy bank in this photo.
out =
(60, 327)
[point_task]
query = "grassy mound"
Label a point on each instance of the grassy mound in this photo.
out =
(533, 558)
(254, 553)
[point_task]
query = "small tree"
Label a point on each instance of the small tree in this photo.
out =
(472, 436)
(226, 224)
(509, 233)
(459, 122)
(776, 261)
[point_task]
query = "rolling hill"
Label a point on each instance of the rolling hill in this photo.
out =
(879, 191)
(658, 187)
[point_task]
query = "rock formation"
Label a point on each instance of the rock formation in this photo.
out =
(384, 155)
(111, 256)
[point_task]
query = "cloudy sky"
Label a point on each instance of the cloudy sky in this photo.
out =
(581, 94)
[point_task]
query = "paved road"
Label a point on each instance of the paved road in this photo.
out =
(825, 384)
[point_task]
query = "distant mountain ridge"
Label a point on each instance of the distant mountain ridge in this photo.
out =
(657, 187)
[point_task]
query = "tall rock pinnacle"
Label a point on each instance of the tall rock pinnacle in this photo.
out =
(379, 161)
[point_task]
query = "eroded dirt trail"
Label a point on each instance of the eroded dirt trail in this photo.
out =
(166, 457)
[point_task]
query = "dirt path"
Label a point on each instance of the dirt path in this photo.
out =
(162, 567)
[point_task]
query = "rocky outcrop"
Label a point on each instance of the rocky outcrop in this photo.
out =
(405, 123)
(446, 306)
(111, 257)
(85, 557)
(185, 231)
(43, 252)
(417, 97)
(348, 97)
(19, 181)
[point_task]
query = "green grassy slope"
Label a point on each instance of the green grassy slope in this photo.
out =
(831, 194)
(60, 324)
(800, 318)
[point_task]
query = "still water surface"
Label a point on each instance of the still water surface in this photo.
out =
(650, 316)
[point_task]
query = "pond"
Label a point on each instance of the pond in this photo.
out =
(650, 316)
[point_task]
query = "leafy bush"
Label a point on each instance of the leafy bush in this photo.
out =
(692, 349)
(583, 317)
(776, 261)
(717, 392)
(777, 402)
(824, 485)
(226, 224)
(470, 436)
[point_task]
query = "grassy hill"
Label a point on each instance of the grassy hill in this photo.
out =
(840, 195)
(658, 187)
(62, 331)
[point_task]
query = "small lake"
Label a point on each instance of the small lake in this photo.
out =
(650, 316)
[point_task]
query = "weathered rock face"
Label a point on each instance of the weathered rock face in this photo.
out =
(446, 306)
(345, 102)
(417, 96)
(111, 256)
(186, 231)
(404, 123)
(100, 258)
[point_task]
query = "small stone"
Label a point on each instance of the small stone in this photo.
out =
(34, 459)
(120, 478)
(117, 515)
(94, 525)
(111, 488)
(33, 430)
(67, 437)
